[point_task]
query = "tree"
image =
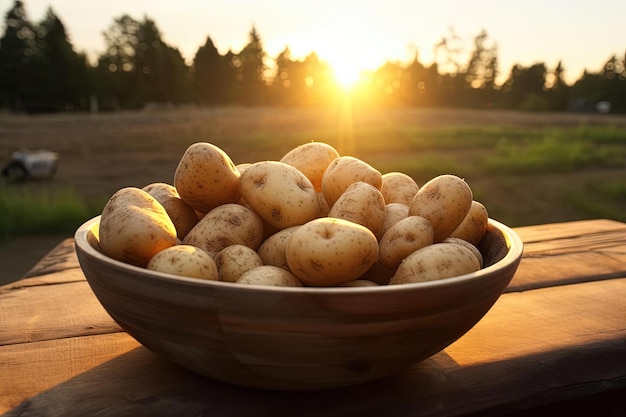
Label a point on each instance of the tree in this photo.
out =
(138, 67)
(212, 75)
(525, 87)
(17, 48)
(250, 67)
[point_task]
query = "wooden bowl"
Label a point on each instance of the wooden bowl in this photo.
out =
(296, 338)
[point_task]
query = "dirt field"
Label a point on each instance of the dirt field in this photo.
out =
(101, 153)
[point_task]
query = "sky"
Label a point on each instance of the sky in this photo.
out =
(583, 34)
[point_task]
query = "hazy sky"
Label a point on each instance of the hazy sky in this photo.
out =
(581, 33)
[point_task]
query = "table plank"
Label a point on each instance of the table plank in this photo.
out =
(538, 346)
(46, 312)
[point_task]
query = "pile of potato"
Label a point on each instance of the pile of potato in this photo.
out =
(313, 218)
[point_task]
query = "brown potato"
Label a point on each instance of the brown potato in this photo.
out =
(206, 177)
(311, 159)
(403, 238)
(186, 261)
(269, 275)
(183, 216)
(225, 225)
(134, 227)
(474, 225)
(234, 260)
(363, 204)
(279, 193)
(273, 250)
(394, 212)
(398, 187)
(444, 201)
(328, 252)
(343, 172)
(468, 245)
(434, 262)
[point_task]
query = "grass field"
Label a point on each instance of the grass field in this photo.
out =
(527, 168)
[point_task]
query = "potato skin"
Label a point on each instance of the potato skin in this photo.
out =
(134, 227)
(474, 225)
(225, 225)
(234, 260)
(206, 177)
(273, 250)
(186, 261)
(435, 262)
(311, 159)
(269, 275)
(183, 216)
(403, 238)
(279, 193)
(444, 201)
(329, 252)
(468, 245)
(363, 204)
(344, 171)
(398, 187)
(394, 212)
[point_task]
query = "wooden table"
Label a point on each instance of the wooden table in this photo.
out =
(553, 344)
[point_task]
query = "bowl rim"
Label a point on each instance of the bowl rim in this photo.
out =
(513, 256)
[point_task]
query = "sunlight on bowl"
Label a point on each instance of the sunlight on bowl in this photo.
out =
(296, 338)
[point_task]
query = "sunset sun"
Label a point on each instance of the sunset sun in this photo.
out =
(346, 73)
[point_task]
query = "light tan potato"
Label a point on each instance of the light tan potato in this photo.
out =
(269, 275)
(242, 167)
(134, 227)
(403, 238)
(183, 216)
(311, 159)
(225, 225)
(444, 201)
(329, 252)
(279, 193)
(344, 171)
(474, 225)
(468, 245)
(186, 261)
(206, 177)
(394, 212)
(324, 207)
(273, 249)
(398, 187)
(234, 260)
(435, 262)
(363, 204)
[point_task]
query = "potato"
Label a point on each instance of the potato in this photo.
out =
(398, 187)
(435, 262)
(344, 171)
(225, 225)
(311, 159)
(279, 193)
(468, 245)
(327, 251)
(269, 275)
(361, 203)
(394, 212)
(324, 207)
(206, 177)
(273, 249)
(134, 227)
(183, 216)
(234, 260)
(186, 261)
(474, 225)
(444, 201)
(403, 238)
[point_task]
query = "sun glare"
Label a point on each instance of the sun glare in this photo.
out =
(346, 74)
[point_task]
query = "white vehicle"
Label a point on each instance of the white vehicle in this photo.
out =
(30, 165)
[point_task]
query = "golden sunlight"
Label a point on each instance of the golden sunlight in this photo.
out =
(346, 72)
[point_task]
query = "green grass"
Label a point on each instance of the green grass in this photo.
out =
(30, 211)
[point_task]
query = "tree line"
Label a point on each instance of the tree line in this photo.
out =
(40, 71)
